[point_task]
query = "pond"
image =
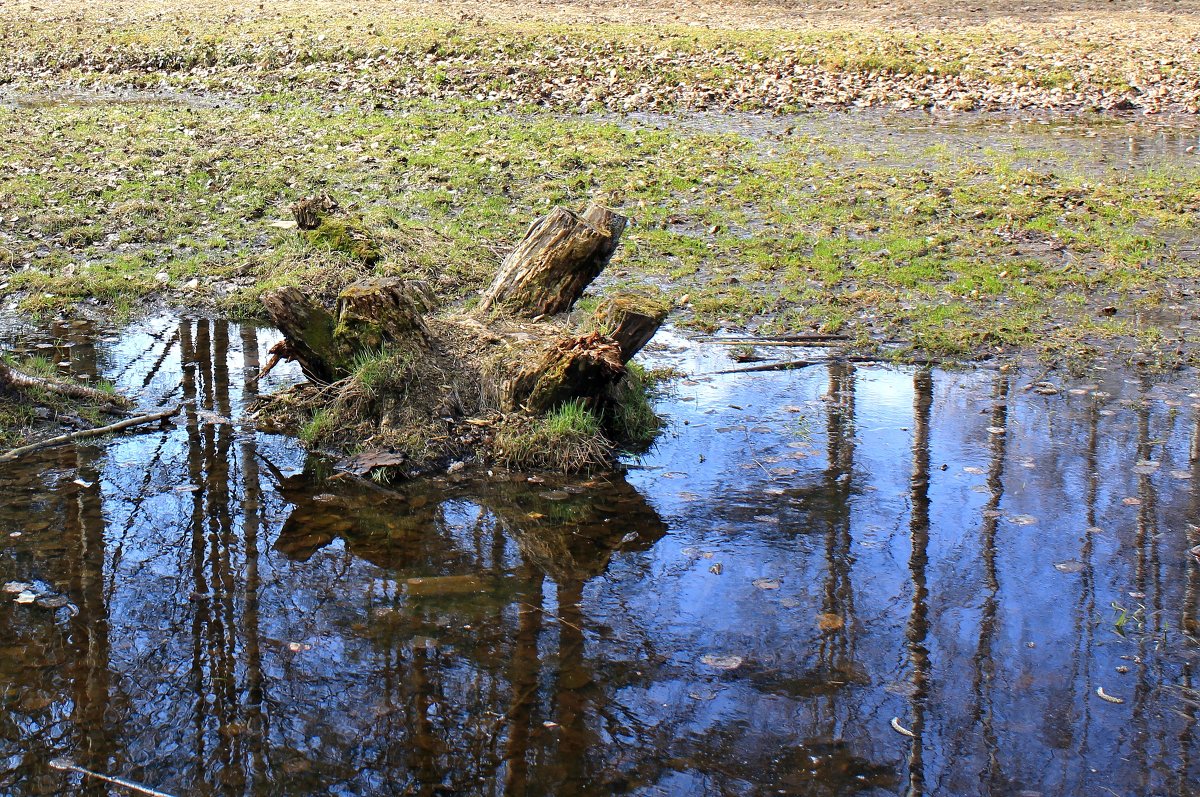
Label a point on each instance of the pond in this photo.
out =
(844, 579)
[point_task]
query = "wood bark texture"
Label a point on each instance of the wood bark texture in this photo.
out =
(631, 321)
(370, 314)
(554, 263)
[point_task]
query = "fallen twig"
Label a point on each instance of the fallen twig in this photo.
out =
(774, 340)
(71, 766)
(86, 433)
(19, 380)
(789, 365)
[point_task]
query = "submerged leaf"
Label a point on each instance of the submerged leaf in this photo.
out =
(830, 622)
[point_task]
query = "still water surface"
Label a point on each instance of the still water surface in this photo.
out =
(804, 556)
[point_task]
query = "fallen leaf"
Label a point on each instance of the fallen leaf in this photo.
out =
(721, 662)
(830, 622)
(767, 583)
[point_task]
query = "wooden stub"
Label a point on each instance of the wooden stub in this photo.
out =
(575, 367)
(554, 263)
(308, 329)
(309, 210)
(630, 320)
(372, 313)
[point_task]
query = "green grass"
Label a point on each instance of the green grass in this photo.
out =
(946, 252)
(631, 419)
(569, 438)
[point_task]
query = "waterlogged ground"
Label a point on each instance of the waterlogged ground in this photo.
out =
(944, 235)
(811, 566)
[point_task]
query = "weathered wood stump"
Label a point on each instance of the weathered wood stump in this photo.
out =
(554, 263)
(369, 315)
(631, 320)
(515, 353)
(583, 366)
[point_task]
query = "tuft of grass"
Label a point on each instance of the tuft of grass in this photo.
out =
(318, 429)
(568, 439)
(630, 418)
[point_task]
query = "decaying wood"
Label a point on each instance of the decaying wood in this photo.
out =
(631, 320)
(583, 366)
(12, 379)
(554, 263)
(307, 328)
(369, 315)
(139, 420)
(309, 211)
(460, 367)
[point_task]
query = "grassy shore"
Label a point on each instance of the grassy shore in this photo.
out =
(148, 147)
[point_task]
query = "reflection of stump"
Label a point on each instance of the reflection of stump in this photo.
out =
(564, 535)
(558, 258)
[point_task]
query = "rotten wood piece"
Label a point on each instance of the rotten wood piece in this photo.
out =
(310, 210)
(554, 263)
(370, 314)
(631, 320)
(12, 379)
(583, 366)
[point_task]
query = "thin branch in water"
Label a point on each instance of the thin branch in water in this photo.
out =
(71, 766)
(86, 433)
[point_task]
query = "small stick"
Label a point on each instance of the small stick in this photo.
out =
(70, 766)
(551, 615)
(789, 365)
(86, 433)
(776, 344)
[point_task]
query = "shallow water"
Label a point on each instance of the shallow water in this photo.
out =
(1093, 144)
(805, 556)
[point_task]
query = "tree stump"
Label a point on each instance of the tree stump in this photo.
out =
(460, 377)
(370, 314)
(554, 263)
(631, 320)
(570, 368)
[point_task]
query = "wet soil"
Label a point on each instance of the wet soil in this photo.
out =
(808, 567)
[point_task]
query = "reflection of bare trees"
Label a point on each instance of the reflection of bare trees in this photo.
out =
(90, 627)
(835, 649)
(918, 620)
(985, 657)
(1189, 619)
